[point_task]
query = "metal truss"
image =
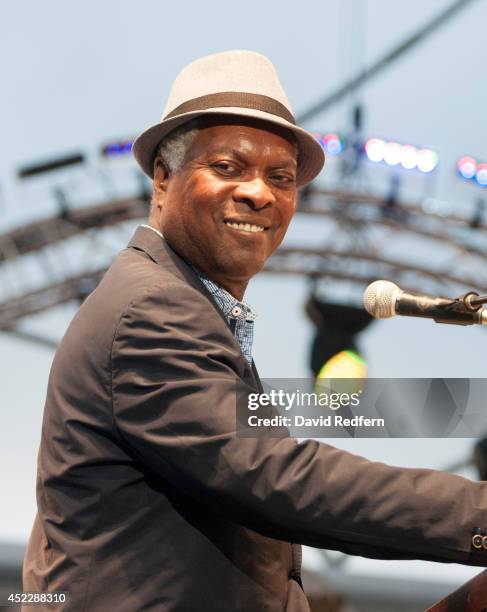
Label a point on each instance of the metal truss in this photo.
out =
(360, 235)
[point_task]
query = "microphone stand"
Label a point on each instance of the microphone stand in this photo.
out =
(473, 301)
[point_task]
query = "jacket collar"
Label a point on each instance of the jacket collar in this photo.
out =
(158, 249)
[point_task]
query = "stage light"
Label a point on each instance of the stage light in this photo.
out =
(332, 143)
(392, 154)
(345, 364)
(117, 148)
(467, 167)
(481, 174)
(49, 166)
(471, 169)
(374, 149)
(427, 160)
(408, 156)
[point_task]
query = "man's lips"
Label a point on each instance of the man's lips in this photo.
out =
(247, 225)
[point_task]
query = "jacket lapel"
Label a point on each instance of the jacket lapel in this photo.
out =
(160, 252)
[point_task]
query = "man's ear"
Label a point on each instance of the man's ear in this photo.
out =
(160, 180)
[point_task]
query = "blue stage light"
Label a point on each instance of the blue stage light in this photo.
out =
(467, 167)
(117, 149)
(332, 143)
(481, 174)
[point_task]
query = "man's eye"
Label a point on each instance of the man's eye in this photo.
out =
(284, 178)
(225, 167)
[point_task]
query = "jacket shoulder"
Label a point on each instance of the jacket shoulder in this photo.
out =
(132, 273)
(130, 277)
(133, 278)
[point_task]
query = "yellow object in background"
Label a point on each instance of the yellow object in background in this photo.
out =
(345, 364)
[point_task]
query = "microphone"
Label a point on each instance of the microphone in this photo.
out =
(383, 299)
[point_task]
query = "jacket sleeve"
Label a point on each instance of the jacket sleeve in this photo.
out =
(173, 390)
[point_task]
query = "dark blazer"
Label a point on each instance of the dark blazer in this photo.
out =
(148, 501)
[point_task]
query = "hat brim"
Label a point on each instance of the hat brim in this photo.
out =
(311, 157)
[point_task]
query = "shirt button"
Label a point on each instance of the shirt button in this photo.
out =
(236, 311)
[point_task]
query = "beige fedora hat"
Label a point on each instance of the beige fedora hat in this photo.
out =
(241, 83)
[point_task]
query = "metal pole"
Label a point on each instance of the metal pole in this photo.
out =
(365, 75)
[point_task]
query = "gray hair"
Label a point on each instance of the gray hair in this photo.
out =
(172, 149)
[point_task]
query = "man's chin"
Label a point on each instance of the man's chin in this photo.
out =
(241, 269)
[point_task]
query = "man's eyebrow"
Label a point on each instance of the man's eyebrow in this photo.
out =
(231, 152)
(283, 163)
(286, 163)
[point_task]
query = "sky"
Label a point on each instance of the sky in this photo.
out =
(76, 75)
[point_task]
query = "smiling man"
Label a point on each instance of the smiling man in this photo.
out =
(147, 499)
(228, 208)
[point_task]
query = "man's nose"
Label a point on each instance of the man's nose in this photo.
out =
(256, 193)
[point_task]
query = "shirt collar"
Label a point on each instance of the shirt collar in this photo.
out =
(229, 305)
(153, 229)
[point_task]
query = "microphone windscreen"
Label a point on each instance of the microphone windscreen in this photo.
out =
(380, 299)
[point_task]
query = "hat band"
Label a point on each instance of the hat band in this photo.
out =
(238, 99)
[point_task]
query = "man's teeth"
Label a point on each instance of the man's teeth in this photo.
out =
(247, 227)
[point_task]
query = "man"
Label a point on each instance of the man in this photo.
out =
(147, 499)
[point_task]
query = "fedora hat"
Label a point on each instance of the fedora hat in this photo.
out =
(239, 83)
